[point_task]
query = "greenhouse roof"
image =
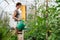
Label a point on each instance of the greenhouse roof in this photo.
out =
(9, 5)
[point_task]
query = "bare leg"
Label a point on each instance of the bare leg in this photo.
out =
(16, 30)
(19, 34)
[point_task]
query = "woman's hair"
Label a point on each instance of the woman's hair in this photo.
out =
(17, 4)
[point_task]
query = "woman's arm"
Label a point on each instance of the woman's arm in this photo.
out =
(15, 15)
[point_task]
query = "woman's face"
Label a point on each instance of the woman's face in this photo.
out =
(18, 6)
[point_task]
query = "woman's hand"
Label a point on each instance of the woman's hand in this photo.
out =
(18, 19)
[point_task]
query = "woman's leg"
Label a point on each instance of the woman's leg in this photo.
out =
(16, 30)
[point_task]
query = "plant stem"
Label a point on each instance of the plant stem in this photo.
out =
(47, 19)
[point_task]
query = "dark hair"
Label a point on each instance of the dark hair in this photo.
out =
(17, 4)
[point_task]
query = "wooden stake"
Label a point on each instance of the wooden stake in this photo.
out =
(21, 36)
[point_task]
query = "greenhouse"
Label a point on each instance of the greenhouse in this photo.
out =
(29, 19)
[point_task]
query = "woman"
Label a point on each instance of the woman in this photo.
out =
(17, 16)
